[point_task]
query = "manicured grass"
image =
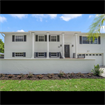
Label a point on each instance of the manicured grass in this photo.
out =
(53, 85)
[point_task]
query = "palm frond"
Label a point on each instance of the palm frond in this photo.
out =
(94, 28)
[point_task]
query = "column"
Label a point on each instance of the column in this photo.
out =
(47, 45)
(33, 39)
(103, 57)
(75, 45)
(63, 46)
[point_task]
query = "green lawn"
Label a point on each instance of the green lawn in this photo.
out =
(53, 85)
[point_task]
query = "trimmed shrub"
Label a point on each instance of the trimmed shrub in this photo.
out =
(96, 71)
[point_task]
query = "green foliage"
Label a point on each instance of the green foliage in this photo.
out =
(1, 46)
(96, 70)
(94, 29)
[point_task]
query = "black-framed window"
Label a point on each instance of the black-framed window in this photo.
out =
(19, 54)
(40, 54)
(18, 38)
(54, 38)
(54, 54)
(41, 38)
(84, 40)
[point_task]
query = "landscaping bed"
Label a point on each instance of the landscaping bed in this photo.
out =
(54, 76)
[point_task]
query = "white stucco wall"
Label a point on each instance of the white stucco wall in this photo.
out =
(18, 46)
(43, 66)
(69, 39)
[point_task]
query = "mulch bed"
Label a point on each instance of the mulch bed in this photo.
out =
(45, 76)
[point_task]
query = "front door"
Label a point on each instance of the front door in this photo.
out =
(66, 50)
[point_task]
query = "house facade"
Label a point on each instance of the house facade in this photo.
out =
(53, 45)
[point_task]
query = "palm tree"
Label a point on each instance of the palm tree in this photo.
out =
(94, 29)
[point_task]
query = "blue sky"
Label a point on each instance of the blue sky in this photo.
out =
(45, 22)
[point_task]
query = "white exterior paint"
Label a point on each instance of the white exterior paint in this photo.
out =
(43, 66)
(31, 46)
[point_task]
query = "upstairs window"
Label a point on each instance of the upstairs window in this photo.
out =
(16, 38)
(84, 40)
(41, 38)
(53, 38)
(19, 38)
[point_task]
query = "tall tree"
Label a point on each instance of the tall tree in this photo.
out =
(94, 29)
(1, 46)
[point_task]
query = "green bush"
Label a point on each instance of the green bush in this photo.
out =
(96, 70)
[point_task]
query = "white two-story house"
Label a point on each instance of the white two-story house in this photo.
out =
(53, 45)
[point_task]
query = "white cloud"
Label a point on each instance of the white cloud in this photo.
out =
(20, 31)
(53, 15)
(2, 19)
(97, 15)
(102, 30)
(41, 16)
(67, 17)
(20, 16)
(90, 16)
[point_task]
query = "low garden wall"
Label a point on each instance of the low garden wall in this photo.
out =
(43, 66)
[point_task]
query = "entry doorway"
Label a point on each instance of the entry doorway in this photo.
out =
(67, 51)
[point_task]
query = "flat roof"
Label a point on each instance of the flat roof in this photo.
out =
(50, 32)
